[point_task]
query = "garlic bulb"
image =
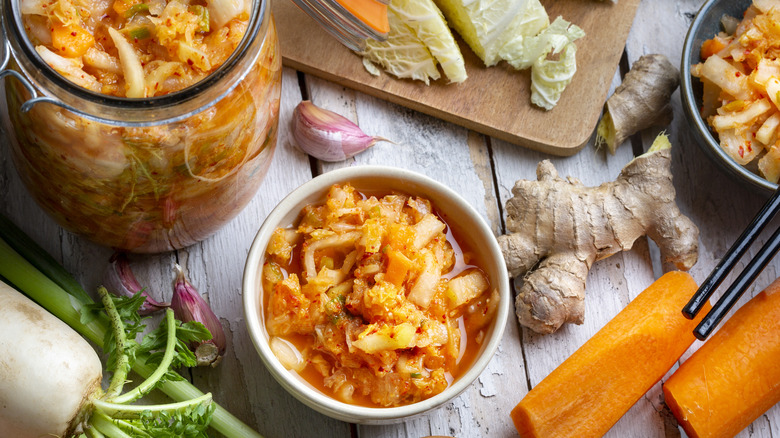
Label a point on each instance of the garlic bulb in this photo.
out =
(326, 135)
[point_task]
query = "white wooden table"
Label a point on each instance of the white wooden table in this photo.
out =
(483, 170)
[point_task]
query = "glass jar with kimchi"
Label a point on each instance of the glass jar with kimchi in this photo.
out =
(143, 125)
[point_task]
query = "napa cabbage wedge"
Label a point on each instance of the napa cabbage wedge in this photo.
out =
(488, 25)
(419, 40)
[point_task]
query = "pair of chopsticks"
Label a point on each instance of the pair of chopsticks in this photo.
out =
(745, 278)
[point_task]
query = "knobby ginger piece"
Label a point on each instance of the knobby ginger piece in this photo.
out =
(641, 101)
(558, 228)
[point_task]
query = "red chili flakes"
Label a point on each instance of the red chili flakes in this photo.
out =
(737, 74)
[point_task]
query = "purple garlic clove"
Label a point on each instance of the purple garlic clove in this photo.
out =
(119, 279)
(326, 135)
(188, 305)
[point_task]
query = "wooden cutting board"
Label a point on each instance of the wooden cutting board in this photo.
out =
(494, 101)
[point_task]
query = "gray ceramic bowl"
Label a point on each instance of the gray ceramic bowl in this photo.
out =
(453, 208)
(705, 26)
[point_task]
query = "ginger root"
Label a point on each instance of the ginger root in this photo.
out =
(641, 101)
(559, 228)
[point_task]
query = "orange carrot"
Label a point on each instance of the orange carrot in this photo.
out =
(711, 47)
(735, 376)
(71, 40)
(589, 392)
(370, 12)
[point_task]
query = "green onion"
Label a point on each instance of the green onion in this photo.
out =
(139, 33)
(415, 375)
(203, 17)
(25, 273)
(136, 8)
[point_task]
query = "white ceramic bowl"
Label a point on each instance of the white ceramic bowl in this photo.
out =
(454, 210)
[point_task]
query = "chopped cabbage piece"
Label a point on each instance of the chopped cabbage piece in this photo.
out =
(131, 65)
(385, 337)
(464, 288)
(549, 77)
(522, 51)
(222, 11)
(71, 68)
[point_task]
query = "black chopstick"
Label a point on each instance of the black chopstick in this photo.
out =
(734, 253)
(735, 291)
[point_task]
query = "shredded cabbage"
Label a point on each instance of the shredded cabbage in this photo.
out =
(131, 65)
(70, 68)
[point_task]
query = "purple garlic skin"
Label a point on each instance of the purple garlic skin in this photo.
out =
(326, 135)
(188, 305)
(119, 279)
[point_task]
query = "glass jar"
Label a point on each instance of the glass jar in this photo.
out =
(147, 174)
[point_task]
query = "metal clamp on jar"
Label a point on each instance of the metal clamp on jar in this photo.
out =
(144, 174)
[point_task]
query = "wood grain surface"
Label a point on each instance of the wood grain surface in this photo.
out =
(494, 101)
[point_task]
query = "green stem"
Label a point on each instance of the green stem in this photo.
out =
(116, 410)
(67, 307)
(104, 425)
(91, 432)
(131, 429)
(222, 421)
(48, 294)
(30, 250)
(120, 340)
(170, 350)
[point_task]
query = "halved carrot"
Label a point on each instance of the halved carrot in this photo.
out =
(370, 12)
(735, 376)
(589, 392)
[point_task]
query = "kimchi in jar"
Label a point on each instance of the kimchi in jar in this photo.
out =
(143, 125)
(372, 299)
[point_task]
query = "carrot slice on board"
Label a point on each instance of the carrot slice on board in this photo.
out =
(589, 392)
(735, 376)
(370, 12)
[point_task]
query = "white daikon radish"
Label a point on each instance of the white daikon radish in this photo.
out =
(47, 371)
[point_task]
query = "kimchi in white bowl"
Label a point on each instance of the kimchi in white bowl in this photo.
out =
(373, 294)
